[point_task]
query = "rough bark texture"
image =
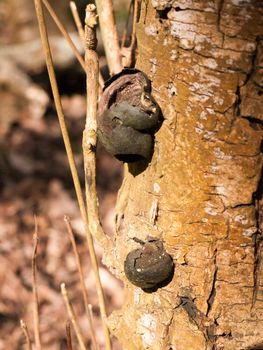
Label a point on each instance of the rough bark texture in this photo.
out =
(201, 189)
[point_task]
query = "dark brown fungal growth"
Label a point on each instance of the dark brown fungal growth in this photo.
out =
(149, 267)
(128, 116)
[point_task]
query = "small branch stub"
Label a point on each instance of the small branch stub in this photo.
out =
(91, 22)
(128, 116)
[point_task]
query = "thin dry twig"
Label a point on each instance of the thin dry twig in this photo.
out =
(35, 294)
(124, 34)
(64, 33)
(136, 14)
(90, 311)
(81, 32)
(103, 239)
(68, 334)
(109, 35)
(66, 36)
(75, 250)
(89, 144)
(75, 15)
(52, 77)
(61, 118)
(72, 317)
(128, 53)
(90, 132)
(82, 282)
(26, 333)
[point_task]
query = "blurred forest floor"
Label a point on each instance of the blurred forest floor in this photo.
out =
(35, 179)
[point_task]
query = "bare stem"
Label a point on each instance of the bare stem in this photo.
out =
(81, 277)
(61, 118)
(128, 53)
(90, 132)
(35, 294)
(26, 333)
(109, 35)
(89, 144)
(136, 14)
(66, 35)
(72, 317)
(81, 32)
(68, 333)
(124, 34)
(90, 313)
(103, 239)
(77, 21)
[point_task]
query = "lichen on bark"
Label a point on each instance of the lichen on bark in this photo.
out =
(199, 193)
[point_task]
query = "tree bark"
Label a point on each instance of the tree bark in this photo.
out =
(201, 190)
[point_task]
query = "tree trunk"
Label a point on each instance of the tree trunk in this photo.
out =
(200, 193)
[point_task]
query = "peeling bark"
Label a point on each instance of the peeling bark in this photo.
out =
(201, 193)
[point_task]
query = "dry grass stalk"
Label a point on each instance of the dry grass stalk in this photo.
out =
(68, 334)
(103, 238)
(93, 333)
(109, 35)
(62, 123)
(64, 33)
(128, 53)
(81, 32)
(124, 33)
(75, 15)
(82, 282)
(136, 15)
(67, 36)
(26, 333)
(90, 313)
(72, 317)
(35, 294)
(61, 117)
(89, 144)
